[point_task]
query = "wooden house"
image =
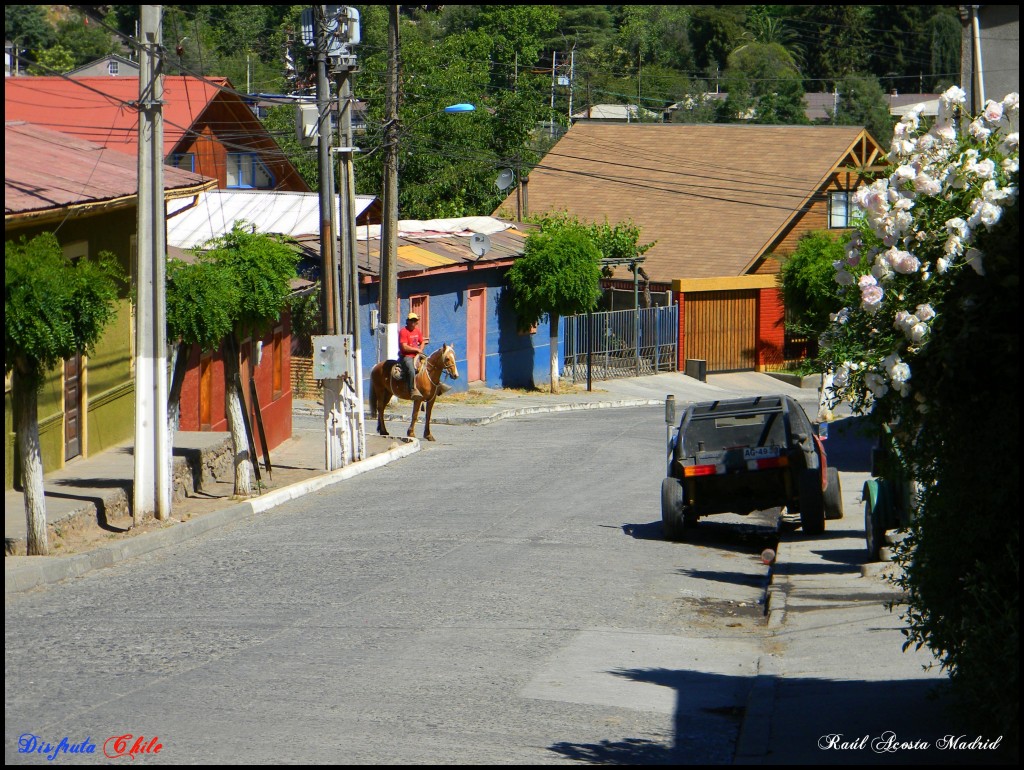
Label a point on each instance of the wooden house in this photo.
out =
(723, 203)
(209, 128)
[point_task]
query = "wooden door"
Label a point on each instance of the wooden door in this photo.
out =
(206, 391)
(476, 335)
(721, 328)
(72, 407)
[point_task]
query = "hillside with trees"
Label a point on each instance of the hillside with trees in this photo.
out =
(527, 68)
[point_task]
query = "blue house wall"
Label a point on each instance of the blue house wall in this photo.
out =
(512, 360)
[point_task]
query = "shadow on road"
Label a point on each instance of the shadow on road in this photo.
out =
(710, 709)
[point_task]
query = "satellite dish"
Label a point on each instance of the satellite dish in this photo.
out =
(505, 179)
(479, 244)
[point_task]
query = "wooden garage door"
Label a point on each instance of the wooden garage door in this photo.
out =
(721, 328)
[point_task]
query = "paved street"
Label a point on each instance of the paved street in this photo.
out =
(503, 596)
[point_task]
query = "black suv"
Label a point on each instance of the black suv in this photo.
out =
(747, 454)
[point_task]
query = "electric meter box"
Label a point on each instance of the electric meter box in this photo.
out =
(333, 356)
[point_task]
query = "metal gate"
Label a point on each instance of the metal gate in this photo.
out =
(621, 343)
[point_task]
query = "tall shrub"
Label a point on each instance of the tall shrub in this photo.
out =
(54, 308)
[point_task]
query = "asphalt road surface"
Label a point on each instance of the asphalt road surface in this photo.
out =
(503, 596)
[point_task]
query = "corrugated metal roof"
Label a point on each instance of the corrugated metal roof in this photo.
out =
(439, 252)
(420, 256)
(97, 109)
(287, 213)
(49, 171)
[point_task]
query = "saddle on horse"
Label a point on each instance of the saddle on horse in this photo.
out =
(398, 373)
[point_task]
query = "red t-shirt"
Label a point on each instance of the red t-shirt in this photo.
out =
(412, 338)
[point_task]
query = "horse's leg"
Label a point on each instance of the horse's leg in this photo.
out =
(426, 419)
(382, 398)
(415, 414)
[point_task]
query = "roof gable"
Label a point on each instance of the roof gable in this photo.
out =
(713, 197)
(99, 109)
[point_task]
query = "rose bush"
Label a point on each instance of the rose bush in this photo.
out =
(918, 235)
(927, 345)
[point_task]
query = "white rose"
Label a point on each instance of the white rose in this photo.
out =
(993, 111)
(978, 131)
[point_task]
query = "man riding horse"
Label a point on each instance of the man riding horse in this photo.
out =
(410, 345)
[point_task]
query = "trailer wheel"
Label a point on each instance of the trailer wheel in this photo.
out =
(812, 502)
(833, 495)
(672, 524)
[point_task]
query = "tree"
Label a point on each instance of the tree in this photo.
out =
(53, 60)
(448, 162)
(809, 288)
(86, 42)
(763, 77)
(261, 267)
(54, 308)
(862, 103)
(558, 274)
(27, 28)
(202, 300)
(838, 37)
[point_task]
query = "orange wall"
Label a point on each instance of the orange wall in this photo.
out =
(276, 411)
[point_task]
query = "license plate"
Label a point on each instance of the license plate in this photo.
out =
(760, 452)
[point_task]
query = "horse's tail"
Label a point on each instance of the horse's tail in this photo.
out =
(373, 400)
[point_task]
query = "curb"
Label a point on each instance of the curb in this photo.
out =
(756, 727)
(755, 731)
(513, 412)
(23, 573)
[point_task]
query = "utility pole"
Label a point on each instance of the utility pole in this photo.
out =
(346, 66)
(334, 421)
(151, 489)
(388, 301)
(551, 117)
(328, 258)
(572, 74)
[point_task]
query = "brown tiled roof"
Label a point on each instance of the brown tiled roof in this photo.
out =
(713, 196)
(46, 171)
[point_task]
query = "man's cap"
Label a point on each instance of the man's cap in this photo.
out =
(412, 317)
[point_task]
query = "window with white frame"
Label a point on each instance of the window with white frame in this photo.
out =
(112, 68)
(841, 209)
(245, 169)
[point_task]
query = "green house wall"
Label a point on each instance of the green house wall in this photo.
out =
(108, 391)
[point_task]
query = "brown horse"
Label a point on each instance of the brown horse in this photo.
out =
(384, 384)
